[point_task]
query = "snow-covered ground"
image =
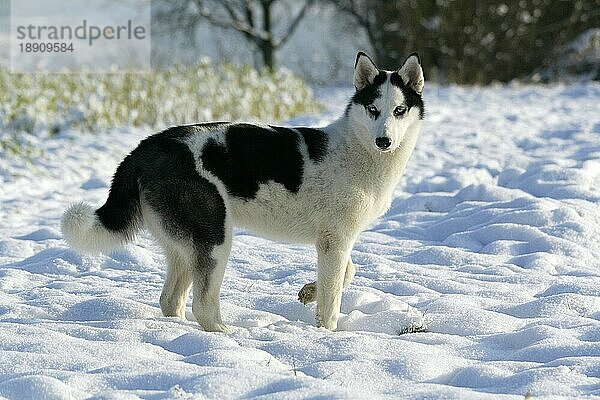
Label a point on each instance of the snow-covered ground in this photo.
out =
(493, 243)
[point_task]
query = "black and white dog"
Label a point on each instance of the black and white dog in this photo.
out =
(190, 185)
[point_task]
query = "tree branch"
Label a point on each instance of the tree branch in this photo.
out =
(232, 14)
(293, 25)
(249, 14)
(350, 8)
(234, 22)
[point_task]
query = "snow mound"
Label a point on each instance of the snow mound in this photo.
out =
(372, 313)
(108, 309)
(481, 282)
(38, 387)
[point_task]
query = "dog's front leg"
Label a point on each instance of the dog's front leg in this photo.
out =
(333, 255)
(308, 293)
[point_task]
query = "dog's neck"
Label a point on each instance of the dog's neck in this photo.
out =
(344, 138)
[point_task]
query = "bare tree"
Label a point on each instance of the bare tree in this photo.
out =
(362, 13)
(253, 19)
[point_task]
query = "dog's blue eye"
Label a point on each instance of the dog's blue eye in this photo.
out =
(372, 109)
(399, 111)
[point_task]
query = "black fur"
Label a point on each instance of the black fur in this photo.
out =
(369, 93)
(316, 141)
(413, 99)
(122, 208)
(253, 155)
(162, 167)
(121, 211)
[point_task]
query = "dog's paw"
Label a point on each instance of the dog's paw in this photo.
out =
(308, 293)
(319, 321)
(216, 327)
(330, 324)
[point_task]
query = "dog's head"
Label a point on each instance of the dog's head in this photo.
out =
(386, 103)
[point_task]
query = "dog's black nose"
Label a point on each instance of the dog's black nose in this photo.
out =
(383, 142)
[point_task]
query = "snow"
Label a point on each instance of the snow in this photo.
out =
(491, 246)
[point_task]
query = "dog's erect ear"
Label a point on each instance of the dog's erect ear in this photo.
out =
(412, 74)
(365, 71)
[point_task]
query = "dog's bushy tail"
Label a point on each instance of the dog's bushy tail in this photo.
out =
(112, 225)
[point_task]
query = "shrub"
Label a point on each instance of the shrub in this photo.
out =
(182, 94)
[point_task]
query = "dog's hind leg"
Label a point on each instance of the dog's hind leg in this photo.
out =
(188, 214)
(207, 275)
(197, 250)
(308, 293)
(189, 217)
(194, 263)
(177, 284)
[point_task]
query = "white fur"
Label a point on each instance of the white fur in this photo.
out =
(84, 232)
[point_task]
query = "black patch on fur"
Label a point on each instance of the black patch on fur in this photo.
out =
(122, 208)
(316, 142)
(369, 93)
(253, 155)
(163, 168)
(412, 98)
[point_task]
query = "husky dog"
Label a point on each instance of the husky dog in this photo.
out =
(190, 185)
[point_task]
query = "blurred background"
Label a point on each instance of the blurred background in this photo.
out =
(260, 59)
(460, 41)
